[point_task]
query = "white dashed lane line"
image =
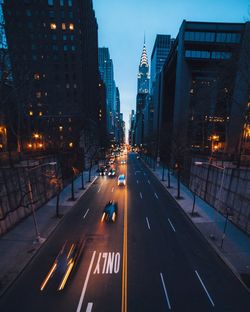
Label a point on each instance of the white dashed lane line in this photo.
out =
(85, 214)
(165, 291)
(156, 196)
(148, 182)
(148, 223)
(137, 181)
(171, 224)
(89, 307)
(141, 195)
(204, 287)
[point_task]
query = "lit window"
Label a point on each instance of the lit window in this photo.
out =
(65, 48)
(50, 2)
(67, 85)
(71, 26)
(51, 14)
(61, 2)
(73, 48)
(30, 113)
(40, 113)
(63, 26)
(70, 3)
(71, 37)
(69, 119)
(38, 94)
(36, 76)
(53, 26)
(71, 144)
(75, 85)
(61, 128)
(29, 145)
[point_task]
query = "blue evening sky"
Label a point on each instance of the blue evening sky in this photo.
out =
(122, 24)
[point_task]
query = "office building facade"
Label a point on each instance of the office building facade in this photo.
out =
(203, 88)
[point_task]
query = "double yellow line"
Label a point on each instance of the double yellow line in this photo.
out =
(125, 253)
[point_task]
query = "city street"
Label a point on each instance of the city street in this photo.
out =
(151, 258)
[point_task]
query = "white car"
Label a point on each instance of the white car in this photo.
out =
(121, 180)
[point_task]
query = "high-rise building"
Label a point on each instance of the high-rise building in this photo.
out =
(107, 74)
(159, 54)
(142, 92)
(204, 89)
(143, 74)
(54, 57)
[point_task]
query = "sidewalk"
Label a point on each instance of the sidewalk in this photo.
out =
(19, 246)
(233, 247)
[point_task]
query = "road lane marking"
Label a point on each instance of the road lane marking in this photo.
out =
(137, 181)
(148, 223)
(109, 262)
(141, 195)
(85, 214)
(99, 189)
(148, 182)
(169, 221)
(204, 287)
(125, 255)
(156, 196)
(89, 307)
(112, 189)
(165, 291)
(85, 283)
(145, 173)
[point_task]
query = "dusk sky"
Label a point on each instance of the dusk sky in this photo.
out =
(122, 25)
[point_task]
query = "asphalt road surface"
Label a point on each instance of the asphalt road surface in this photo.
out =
(150, 259)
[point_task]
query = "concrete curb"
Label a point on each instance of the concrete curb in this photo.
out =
(219, 254)
(26, 264)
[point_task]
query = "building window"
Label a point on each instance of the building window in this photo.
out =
(53, 26)
(30, 113)
(75, 86)
(199, 36)
(50, 2)
(40, 114)
(36, 76)
(69, 3)
(72, 37)
(221, 55)
(62, 14)
(54, 47)
(65, 48)
(197, 54)
(70, 14)
(228, 37)
(28, 12)
(71, 26)
(51, 13)
(61, 2)
(38, 94)
(73, 48)
(67, 85)
(64, 37)
(54, 37)
(63, 26)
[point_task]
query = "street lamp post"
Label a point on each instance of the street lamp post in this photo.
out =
(39, 239)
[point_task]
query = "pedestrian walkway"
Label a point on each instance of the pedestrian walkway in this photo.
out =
(19, 245)
(230, 243)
